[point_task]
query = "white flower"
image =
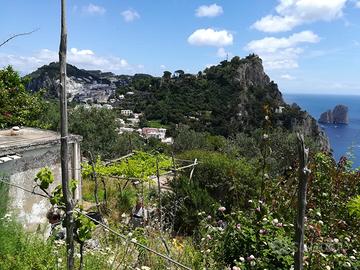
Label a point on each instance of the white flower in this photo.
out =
(134, 240)
(348, 264)
(266, 136)
(318, 214)
(347, 239)
(222, 209)
(145, 268)
(321, 222)
(336, 240)
(275, 221)
(353, 258)
(236, 268)
(266, 117)
(130, 234)
(242, 259)
(59, 260)
(327, 267)
(250, 201)
(251, 257)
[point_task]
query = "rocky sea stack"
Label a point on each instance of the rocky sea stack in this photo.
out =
(339, 115)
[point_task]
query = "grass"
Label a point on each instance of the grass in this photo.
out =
(156, 124)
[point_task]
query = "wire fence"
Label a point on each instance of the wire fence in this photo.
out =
(105, 227)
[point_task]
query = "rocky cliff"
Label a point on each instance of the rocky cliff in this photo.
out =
(339, 115)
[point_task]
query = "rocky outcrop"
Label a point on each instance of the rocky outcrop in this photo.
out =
(339, 115)
(250, 72)
(326, 117)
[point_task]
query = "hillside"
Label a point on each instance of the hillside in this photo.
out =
(233, 96)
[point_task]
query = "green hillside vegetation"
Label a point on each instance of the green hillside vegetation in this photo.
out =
(237, 209)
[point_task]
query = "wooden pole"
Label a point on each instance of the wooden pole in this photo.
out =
(159, 191)
(193, 168)
(299, 224)
(64, 142)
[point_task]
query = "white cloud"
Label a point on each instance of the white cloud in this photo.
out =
(211, 37)
(92, 9)
(287, 77)
(357, 4)
(86, 59)
(209, 11)
(162, 66)
(292, 13)
(130, 15)
(281, 53)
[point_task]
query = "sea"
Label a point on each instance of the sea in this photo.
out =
(344, 139)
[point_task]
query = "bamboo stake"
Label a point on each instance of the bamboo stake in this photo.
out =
(64, 142)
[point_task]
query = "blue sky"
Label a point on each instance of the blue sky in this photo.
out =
(307, 46)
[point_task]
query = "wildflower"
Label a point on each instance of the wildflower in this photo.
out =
(251, 258)
(266, 136)
(242, 259)
(265, 219)
(222, 209)
(209, 237)
(353, 258)
(260, 201)
(123, 215)
(336, 240)
(275, 221)
(262, 231)
(348, 264)
(236, 268)
(266, 117)
(321, 222)
(130, 234)
(250, 201)
(145, 268)
(238, 226)
(347, 239)
(266, 176)
(208, 217)
(318, 214)
(208, 251)
(134, 240)
(327, 267)
(279, 225)
(252, 263)
(59, 260)
(258, 209)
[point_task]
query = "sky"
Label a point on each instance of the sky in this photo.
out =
(307, 46)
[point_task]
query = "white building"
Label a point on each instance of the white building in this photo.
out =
(158, 133)
(126, 112)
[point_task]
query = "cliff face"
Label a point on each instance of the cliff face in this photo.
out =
(337, 116)
(340, 114)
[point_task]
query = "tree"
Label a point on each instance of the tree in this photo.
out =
(17, 106)
(97, 126)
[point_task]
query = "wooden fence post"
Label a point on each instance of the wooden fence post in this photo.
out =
(302, 189)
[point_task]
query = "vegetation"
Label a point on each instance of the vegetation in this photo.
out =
(234, 208)
(18, 106)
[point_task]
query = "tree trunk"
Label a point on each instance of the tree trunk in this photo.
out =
(299, 224)
(64, 142)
